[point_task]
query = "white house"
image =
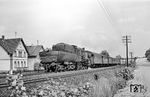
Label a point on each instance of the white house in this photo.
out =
(13, 54)
(34, 58)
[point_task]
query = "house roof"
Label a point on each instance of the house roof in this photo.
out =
(10, 45)
(34, 50)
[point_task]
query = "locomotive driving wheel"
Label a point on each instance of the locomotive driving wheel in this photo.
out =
(71, 66)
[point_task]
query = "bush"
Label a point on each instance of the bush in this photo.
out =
(16, 85)
(125, 74)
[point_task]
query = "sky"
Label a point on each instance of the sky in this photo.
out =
(95, 25)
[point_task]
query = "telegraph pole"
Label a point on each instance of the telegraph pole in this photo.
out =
(126, 39)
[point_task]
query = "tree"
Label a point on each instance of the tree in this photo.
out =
(147, 54)
(105, 53)
(118, 57)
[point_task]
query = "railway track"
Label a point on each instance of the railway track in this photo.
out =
(24, 73)
(46, 76)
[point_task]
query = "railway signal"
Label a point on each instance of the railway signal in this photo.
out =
(126, 39)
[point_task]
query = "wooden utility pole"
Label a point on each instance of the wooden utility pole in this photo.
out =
(126, 39)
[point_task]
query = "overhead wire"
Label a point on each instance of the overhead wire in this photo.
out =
(108, 15)
(110, 19)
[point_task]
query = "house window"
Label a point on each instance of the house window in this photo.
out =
(15, 64)
(24, 54)
(15, 54)
(22, 64)
(19, 64)
(25, 64)
(20, 53)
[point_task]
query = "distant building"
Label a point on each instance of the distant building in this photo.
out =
(34, 58)
(13, 54)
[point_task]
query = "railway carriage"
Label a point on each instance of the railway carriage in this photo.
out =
(101, 61)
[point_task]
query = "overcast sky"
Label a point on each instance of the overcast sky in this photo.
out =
(80, 22)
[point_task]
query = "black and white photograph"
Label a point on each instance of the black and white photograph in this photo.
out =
(74, 48)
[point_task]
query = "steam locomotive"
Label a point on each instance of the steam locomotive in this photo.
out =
(65, 57)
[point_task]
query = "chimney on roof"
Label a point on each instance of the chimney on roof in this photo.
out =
(37, 42)
(3, 37)
(83, 49)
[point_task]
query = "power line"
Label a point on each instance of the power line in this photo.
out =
(108, 15)
(127, 39)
